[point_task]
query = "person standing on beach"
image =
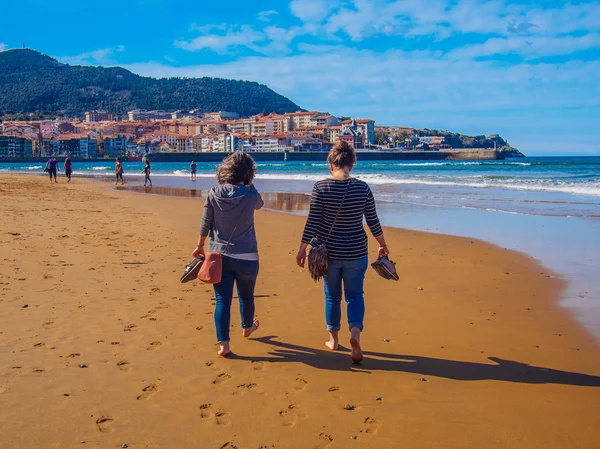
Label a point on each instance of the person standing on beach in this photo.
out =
(68, 169)
(338, 205)
(52, 167)
(147, 173)
(193, 168)
(119, 170)
(229, 217)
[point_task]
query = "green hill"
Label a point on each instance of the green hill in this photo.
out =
(34, 83)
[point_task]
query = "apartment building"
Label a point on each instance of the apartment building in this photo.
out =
(99, 116)
(299, 119)
(166, 136)
(222, 115)
(364, 127)
(142, 114)
(12, 146)
(88, 147)
(115, 145)
(324, 120)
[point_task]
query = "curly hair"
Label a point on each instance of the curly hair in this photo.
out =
(342, 155)
(238, 167)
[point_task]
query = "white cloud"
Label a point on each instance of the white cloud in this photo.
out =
(265, 16)
(530, 46)
(313, 10)
(222, 43)
(103, 56)
(3, 47)
(399, 81)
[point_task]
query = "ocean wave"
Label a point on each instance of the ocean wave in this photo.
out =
(102, 167)
(592, 189)
(447, 164)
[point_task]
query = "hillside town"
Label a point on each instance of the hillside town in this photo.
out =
(141, 132)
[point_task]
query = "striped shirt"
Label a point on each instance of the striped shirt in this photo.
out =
(348, 240)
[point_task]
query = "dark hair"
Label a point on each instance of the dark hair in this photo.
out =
(342, 155)
(119, 159)
(236, 168)
(67, 160)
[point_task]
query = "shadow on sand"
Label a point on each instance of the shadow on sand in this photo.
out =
(502, 370)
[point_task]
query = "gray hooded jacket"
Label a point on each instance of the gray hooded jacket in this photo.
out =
(225, 206)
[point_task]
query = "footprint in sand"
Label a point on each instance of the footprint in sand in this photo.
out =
(104, 424)
(257, 366)
(154, 345)
(324, 441)
(221, 378)
(204, 411)
(229, 445)
(300, 384)
(38, 370)
(129, 327)
(289, 416)
(147, 392)
(335, 392)
(241, 389)
(371, 426)
(222, 418)
(124, 365)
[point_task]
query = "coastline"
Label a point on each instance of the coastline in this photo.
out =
(485, 329)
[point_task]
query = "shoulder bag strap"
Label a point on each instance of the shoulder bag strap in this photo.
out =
(338, 212)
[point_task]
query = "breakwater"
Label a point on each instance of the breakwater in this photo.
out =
(474, 154)
(318, 156)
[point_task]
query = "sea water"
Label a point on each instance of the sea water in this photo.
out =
(546, 207)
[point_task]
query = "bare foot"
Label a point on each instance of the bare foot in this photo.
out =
(247, 332)
(333, 341)
(333, 345)
(357, 355)
(224, 349)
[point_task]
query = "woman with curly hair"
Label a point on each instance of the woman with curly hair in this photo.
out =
(229, 217)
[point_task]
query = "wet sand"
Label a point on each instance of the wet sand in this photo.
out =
(100, 345)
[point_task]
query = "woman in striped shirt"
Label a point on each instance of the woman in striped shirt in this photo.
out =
(338, 205)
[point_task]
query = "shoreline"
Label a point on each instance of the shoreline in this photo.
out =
(112, 353)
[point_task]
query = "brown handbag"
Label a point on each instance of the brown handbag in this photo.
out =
(318, 257)
(211, 270)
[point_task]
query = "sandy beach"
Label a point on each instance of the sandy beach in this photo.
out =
(101, 346)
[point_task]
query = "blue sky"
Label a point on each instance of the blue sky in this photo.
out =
(526, 70)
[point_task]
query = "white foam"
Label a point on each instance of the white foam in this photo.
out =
(589, 188)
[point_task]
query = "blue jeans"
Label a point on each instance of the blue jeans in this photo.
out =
(352, 274)
(243, 273)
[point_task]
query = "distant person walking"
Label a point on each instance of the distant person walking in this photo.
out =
(51, 168)
(337, 208)
(119, 171)
(193, 169)
(147, 172)
(228, 222)
(68, 169)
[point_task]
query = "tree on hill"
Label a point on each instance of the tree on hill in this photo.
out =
(31, 83)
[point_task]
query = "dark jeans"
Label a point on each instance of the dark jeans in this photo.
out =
(352, 274)
(243, 273)
(52, 173)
